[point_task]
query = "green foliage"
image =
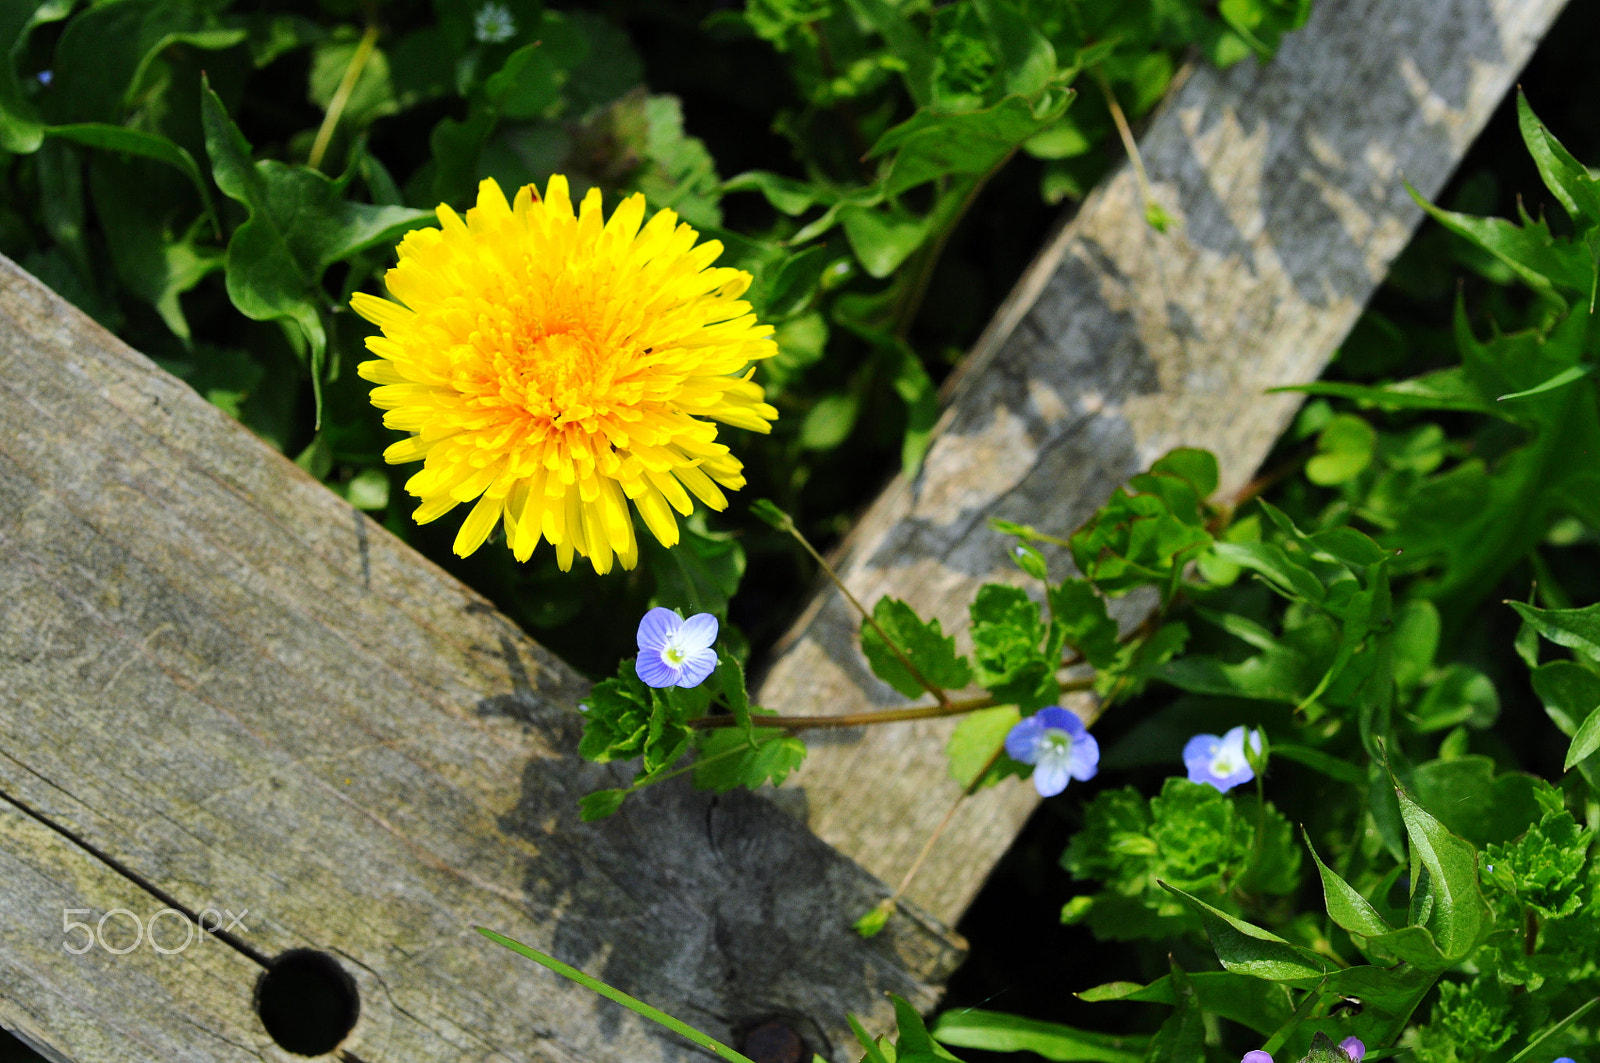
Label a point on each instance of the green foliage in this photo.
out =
(1015, 650)
(1229, 851)
(921, 644)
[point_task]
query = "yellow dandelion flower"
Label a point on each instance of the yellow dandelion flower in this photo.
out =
(553, 366)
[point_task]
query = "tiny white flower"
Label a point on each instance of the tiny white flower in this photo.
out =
(493, 24)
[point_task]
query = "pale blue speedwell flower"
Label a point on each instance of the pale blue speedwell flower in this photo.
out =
(1221, 761)
(493, 24)
(1058, 746)
(674, 652)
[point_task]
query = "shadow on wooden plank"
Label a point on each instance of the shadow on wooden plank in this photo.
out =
(224, 689)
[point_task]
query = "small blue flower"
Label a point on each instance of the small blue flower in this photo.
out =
(45, 77)
(1221, 761)
(1566, 1059)
(1353, 1048)
(1058, 746)
(674, 652)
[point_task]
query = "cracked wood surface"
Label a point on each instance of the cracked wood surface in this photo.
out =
(222, 687)
(1120, 343)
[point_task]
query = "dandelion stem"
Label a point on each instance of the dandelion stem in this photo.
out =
(341, 95)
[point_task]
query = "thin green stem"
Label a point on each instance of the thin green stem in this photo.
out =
(341, 95)
(861, 719)
(922, 681)
(938, 831)
(1125, 132)
(633, 1004)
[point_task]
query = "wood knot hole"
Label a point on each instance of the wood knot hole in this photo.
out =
(307, 1002)
(773, 1041)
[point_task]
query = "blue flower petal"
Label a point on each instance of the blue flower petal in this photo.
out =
(657, 629)
(697, 666)
(1050, 777)
(1022, 741)
(1085, 759)
(698, 632)
(654, 671)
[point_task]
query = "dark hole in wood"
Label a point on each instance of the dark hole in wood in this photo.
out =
(307, 1002)
(773, 1041)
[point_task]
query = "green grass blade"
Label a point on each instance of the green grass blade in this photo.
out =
(639, 1007)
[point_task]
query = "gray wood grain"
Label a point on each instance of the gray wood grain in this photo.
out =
(222, 687)
(1121, 343)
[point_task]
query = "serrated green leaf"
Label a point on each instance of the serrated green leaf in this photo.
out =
(728, 757)
(1088, 628)
(930, 651)
(1197, 467)
(1010, 648)
(882, 238)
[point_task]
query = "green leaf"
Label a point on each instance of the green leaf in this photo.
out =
(633, 1004)
(1010, 651)
(701, 573)
(1344, 450)
(1585, 742)
(1553, 1030)
(1449, 895)
(1082, 615)
(729, 757)
(299, 225)
(996, 1031)
(1197, 467)
(1346, 906)
(924, 643)
(829, 422)
(1567, 178)
(102, 58)
(148, 145)
(905, 41)
(1529, 250)
(1560, 380)
(882, 238)
(872, 924)
(1334, 768)
(1027, 59)
(1261, 1006)
(1576, 629)
(1446, 389)
(786, 194)
(930, 145)
(600, 804)
(1288, 577)
(1181, 1038)
(1247, 949)
(974, 743)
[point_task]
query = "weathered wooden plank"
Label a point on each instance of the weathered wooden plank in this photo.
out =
(225, 686)
(1120, 343)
